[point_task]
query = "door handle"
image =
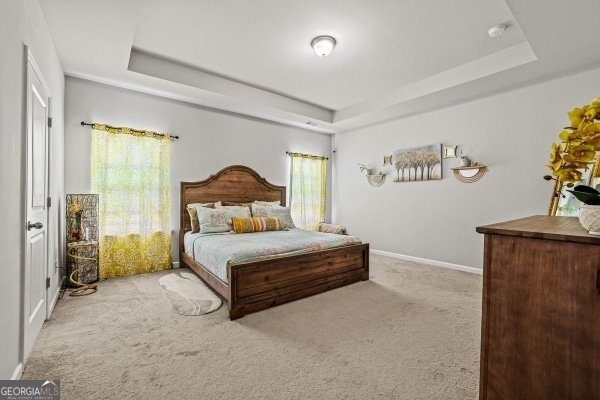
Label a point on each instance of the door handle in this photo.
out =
(598, 281)
(37, 225)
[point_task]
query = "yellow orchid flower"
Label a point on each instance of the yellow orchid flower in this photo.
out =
(555, 157)
(568, 175)
(571, 137)
(580, 153)
(591, 135)
(591, 127)
(579, 144)
(592, 112)
(577, 116)
(577, 165)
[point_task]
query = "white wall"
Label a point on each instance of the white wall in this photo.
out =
(22, 23)
(511, 133)
(209, 140)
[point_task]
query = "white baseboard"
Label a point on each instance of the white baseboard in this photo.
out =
(176, 264)
(463, 268)
(17, 373)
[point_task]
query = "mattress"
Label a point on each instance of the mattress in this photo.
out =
(216, 251)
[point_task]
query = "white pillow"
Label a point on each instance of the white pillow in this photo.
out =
(214, 220)
(268, 203)
(283, 213)
(233, 208)
(237, 211)
(205, 205)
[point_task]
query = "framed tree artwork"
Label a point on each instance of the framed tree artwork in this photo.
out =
(418, 163)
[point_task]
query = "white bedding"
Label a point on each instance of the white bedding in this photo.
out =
(216, 251)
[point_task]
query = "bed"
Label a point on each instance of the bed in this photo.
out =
(256, 285)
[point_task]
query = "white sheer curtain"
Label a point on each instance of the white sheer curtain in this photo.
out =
(308, 190)
(130, 173)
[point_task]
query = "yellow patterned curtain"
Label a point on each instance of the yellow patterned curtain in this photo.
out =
(308, 190)
(130, 172)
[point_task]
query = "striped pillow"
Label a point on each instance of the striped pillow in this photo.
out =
(257, 224)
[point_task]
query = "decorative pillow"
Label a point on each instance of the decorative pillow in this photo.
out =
(257, 224)
(330, 228)
(207, 205)
(268, 203)
(283, 213)
(213, 220)
(194, 214)
(219, 219)
(237, 211)
(236, 207)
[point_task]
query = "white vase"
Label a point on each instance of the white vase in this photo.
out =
(589, 218)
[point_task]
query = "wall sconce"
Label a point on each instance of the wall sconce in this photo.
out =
(469, 174)
(469, 171)
(374, 180)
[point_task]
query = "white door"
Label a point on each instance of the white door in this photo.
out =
(35, 225)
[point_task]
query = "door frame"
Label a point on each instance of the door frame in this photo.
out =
(29, 60)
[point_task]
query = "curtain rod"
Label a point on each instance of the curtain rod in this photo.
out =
(133, 130)
(306, 156)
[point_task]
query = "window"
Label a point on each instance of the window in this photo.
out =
(130, 173)
(308, 190)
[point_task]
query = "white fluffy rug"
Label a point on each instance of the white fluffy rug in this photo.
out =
(188, 295)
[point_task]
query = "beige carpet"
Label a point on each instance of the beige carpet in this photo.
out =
(411, 332)
(187, 294)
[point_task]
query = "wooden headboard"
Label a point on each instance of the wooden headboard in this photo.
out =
(236, 184)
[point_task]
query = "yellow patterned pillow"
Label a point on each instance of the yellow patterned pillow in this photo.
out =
(257, 224)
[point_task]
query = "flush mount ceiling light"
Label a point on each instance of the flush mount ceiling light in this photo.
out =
(496, 31)
(323, 45)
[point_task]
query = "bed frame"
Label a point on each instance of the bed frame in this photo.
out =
(257, 285)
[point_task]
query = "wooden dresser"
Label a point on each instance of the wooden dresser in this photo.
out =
(540, 329)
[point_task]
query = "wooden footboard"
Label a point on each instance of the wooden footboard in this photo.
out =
(259, 285)
(262, 284)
